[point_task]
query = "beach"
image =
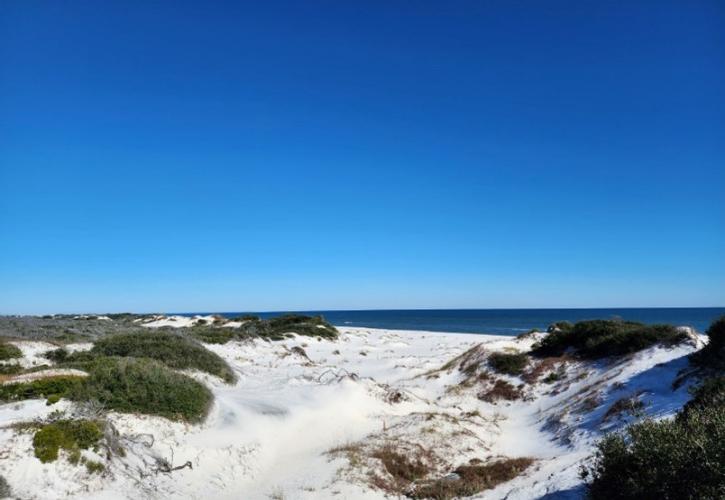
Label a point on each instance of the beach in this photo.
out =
(308, 416)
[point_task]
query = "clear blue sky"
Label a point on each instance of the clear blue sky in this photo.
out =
(180, 156)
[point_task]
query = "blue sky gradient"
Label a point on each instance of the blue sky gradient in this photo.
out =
(186, 156)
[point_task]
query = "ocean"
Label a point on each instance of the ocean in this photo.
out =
(505, 321)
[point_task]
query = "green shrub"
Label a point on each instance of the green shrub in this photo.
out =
(314, 326)
(40, 388)
(709, 394)
(175, 351)
(677, 458)
(70, 435)
(510, 364)
(601, 338)
(276, 328)
(131, 385)
(56, 355)
(94, 467)
(712, 356)
(552, 377)
(9, 351)
(5, 490)
(10, 369)
(563, 326)
(246, 317)
(212, 335)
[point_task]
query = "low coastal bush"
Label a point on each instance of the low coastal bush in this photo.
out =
(94, 467)
(9, 351)
(69, 435)
(213, 335)
(175, 351)
(5, 490)
(596, 339)
(510, 364)
(246, 317)
(276, 328)
(712, 356)
(131, 385)
(709, 394)
(682, 457)
(314, 326)
(10, 369)
(47, 387)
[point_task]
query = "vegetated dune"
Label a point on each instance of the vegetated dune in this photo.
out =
(366, 414)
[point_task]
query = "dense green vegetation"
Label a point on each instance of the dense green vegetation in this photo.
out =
(712, 356)
(10, 369)
(9, 351)
(601, 338)
(5, 490)
(683, 457)
(132, 385)
(276, 328)
(709, 394)
(679, 458)
(69, 435)
(173, 350)
(47, 387)
(213, 335)
(508, 363)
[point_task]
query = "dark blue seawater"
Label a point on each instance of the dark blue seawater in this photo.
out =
(505, 321)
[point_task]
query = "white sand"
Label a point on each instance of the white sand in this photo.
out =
(268, 435)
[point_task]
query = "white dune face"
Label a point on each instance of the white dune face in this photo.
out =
(304, 423)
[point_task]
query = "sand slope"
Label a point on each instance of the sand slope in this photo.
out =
(270, 435)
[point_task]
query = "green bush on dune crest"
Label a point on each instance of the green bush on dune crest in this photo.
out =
(175, 351)
(131, 385)
(9, 351)
(712, 356)
(601, 338)
(276, 328)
